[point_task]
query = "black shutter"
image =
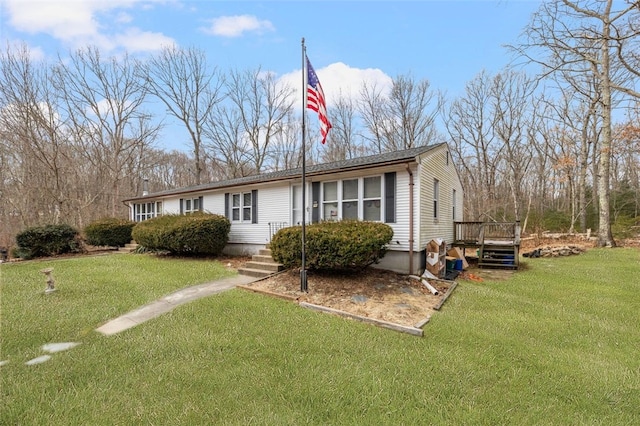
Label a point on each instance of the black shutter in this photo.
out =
(390, 197)
(181, 206)
(226, 206)
(201, 202)
(254, 206)
(315, 202)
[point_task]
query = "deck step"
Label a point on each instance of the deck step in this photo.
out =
(498, 256)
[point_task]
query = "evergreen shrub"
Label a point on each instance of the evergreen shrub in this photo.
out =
(109, 231)
(345, 245)
(47, 240)
(193, 234)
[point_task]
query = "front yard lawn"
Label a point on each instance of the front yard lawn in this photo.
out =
(555, 344)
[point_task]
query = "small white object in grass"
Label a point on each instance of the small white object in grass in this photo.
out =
(38, 360)
(59, 347)
(5, 362)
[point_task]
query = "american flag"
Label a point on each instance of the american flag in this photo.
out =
(315, 100)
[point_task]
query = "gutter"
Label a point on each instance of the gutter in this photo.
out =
(411, 185)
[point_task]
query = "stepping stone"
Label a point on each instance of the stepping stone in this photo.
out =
(358, 298)
(59, 347)
(403, 306)
(38, 360)
(406, 290)
(379, 286)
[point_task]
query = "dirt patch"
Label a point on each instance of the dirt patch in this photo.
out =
(372, 293)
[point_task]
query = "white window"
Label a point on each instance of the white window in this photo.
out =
(372, 199)
(357, 199)
(350, 199)
(296, 195)
(436, 196)
(330, 201)
(241, 207)
(454, 204)
(144, 211)
(192, 205)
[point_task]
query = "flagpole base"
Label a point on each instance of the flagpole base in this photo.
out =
(303, 281)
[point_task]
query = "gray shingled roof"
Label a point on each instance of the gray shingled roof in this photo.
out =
(318, 169)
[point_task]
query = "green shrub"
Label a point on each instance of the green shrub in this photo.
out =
(556, 221)
(333, 245)
(198, 233)
(109, 231)
(48, 240)
(623, 227)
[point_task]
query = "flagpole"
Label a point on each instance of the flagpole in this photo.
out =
(303, 271)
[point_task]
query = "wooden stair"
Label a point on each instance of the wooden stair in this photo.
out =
(502, 256)
(261, 265)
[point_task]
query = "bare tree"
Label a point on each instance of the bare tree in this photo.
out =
(104, 102)
(343, 140)
(512, 99)
(227, 144)
(189, 88)
(261, 104)
(592, 37)
(470, 123)
(402, 119)
(286, 151)
(35, 138)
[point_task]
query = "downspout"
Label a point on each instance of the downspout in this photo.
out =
(411, 184)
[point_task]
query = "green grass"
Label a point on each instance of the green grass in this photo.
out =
(555, 344)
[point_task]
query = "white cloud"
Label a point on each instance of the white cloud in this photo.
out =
(135, 40)
(236, 26)
(339, 79)
(77, 23)
(124, 18)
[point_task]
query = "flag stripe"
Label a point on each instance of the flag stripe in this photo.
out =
(316, 102)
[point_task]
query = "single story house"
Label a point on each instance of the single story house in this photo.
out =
(416, 191)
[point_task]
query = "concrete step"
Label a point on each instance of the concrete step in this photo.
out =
(258, 273)
(129, 247)
(270, 267)
(264, 252)
(262, 258)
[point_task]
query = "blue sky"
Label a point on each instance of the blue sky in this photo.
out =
(445, 42)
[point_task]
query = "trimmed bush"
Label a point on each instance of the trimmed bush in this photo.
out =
(109, 231)
(48, 240)
(344, 245)
(194, 234)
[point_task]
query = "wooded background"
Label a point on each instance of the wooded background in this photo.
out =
(557, 150)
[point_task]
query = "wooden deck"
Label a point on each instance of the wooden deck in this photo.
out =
(498, 243)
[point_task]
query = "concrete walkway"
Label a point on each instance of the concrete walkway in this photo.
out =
(169, 302)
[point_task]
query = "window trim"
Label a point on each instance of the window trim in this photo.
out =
(145, 211)
(436, 199)
(381, 199)
(241, 208)
(191, 203)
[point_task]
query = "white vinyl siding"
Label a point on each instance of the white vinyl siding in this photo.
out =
(436, 167)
